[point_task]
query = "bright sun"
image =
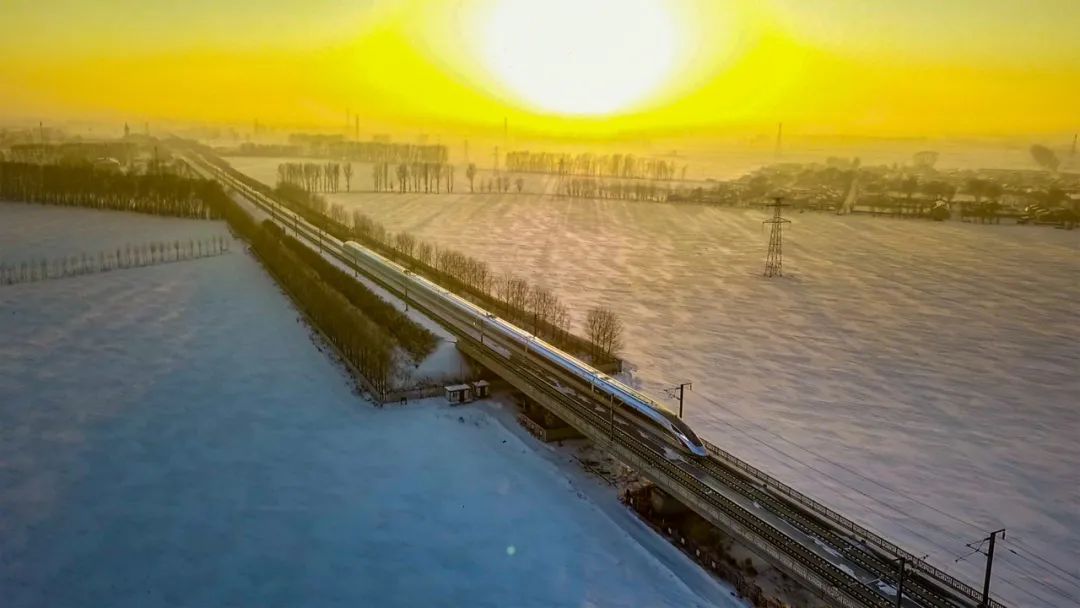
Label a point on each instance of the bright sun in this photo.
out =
(581, 57)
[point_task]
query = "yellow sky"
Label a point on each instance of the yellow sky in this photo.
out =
(913, 67)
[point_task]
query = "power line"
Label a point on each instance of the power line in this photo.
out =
(974, 550)
(1074, 580)
(1042, 585)
(845, 468)
(1031, 556)
(1028, 592)
(1040, 577)
(677, 392)
(977, 549)
(891, 507)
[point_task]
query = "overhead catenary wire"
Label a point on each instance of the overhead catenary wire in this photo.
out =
(1042, 586)
(1072, 581)
(845, 468)
(880, 501)
(978, 548)
(1030, 555)
(1040, 575)
(893, 508)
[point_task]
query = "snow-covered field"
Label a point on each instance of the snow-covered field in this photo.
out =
(918, 377)
(171, 436)
(31, 232)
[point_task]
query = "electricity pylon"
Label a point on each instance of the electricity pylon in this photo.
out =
(774, 261)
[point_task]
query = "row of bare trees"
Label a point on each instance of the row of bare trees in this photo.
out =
(432, 178)
(363, 343)
(72, 153)
(603, 165)
(386, 152)
(416, 340)
(315, 177)
(82, 185)
(588, 187)
(534, 307)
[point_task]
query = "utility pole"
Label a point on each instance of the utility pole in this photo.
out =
(902, 561)
(779, 139)
(985, 603)
(681, 391)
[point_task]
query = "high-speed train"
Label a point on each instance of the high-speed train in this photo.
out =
(636, 404)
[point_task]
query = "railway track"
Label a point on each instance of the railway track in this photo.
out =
(914, 587)
(655, 455)
(940, 591)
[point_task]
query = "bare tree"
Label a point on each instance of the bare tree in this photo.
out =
(519, 293)
(405, 243)
(541, 305)
(425, 252)
(470, 173)
(604, 329)
(348, 176)
(338, 214)
(560, 321)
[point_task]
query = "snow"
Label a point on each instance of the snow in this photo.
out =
(172, 436)
(918, 377)
(672, 455)
(49, 233)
